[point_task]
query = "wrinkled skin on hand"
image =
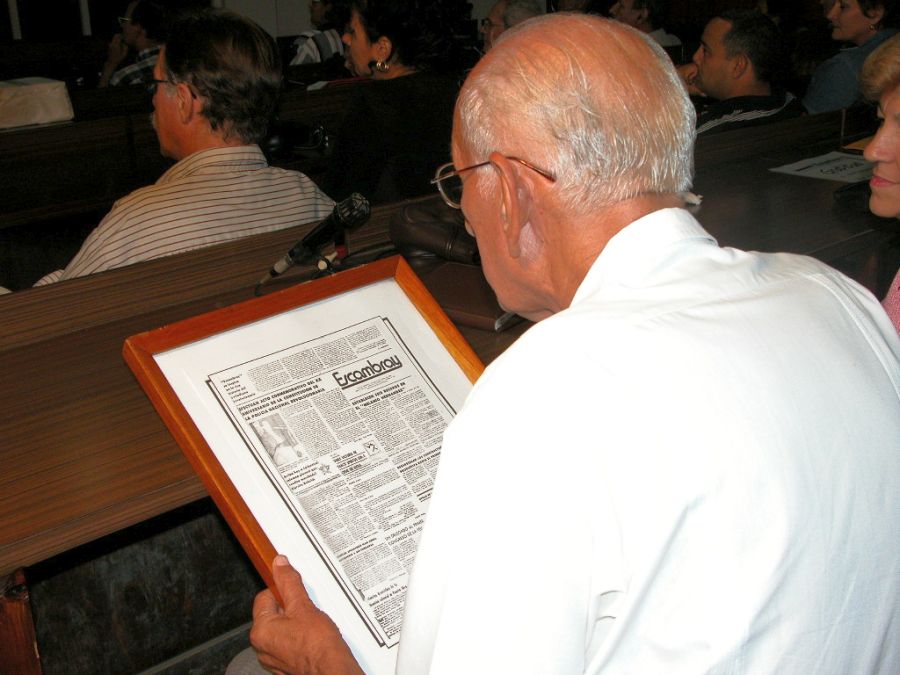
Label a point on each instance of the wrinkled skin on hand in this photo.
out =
(297, 638)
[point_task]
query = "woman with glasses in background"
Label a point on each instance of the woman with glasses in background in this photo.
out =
(397, 129)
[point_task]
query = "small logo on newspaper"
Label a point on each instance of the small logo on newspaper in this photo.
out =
(367, 372)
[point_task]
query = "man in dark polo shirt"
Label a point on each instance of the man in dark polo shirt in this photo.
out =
(740, 53)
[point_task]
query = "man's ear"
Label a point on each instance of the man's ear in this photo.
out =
(188, 104)
(875, 15)
(516, 194)
(740, 64)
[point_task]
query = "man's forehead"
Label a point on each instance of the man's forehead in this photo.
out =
(715, 31)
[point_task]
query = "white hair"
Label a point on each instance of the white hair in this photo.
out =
(590, 100)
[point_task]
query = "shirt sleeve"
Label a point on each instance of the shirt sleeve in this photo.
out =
(307, 51)
(51, 278)
(99, 251)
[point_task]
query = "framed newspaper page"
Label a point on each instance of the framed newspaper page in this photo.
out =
(315, 416)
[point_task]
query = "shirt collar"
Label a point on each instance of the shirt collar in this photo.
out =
(147, 53)
(640, 247)
(215, 160)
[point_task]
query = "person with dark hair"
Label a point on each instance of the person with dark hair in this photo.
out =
(324, 43)
(143, 31)
(738, 61)
(647, 16)
(215, 87)
(865, 24)
(397, 129)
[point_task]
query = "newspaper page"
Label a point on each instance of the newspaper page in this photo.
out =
(349, 430)
(328, 419)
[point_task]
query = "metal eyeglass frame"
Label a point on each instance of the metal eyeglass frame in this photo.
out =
(440, 176)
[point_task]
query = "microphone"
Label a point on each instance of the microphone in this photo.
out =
(347, 215)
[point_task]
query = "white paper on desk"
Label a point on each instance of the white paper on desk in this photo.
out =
(839, 166)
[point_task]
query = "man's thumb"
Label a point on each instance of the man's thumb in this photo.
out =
(289, 584)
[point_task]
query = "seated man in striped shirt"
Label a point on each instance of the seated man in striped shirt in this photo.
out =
(740, 54)
(324, 43)
(143, 32)
(217, 81)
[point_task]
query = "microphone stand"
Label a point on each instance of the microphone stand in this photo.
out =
(333, 263)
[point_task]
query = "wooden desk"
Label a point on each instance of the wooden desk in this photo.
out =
(747, 206)
(83, 452)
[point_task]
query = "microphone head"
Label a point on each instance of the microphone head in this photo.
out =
(353, 211)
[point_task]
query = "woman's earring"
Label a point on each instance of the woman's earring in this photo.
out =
(382, 67)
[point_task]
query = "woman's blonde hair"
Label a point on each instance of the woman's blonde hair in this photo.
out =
(881, 71)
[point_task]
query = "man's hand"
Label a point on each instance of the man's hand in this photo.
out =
(117, 51)
(688, 75)
(115, 54)
(298, 638)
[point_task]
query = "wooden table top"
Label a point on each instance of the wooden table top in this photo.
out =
(83, 453)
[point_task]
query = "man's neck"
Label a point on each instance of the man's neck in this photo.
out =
(208, 141)
(143, 44)
(750, 88)
(589, 235)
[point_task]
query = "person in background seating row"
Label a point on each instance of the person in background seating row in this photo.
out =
(396, 129)
(143, 33)
(736, 66)
(880, 81)
(215, 86)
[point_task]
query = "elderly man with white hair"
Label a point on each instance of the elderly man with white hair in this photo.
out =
(689, 464)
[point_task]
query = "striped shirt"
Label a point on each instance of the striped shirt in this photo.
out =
(315, 46)
(138, 72)
(207, 198)
(748, 111)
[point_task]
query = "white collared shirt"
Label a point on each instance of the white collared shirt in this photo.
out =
(692, 469)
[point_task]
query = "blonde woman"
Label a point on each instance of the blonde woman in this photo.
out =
(880, 81)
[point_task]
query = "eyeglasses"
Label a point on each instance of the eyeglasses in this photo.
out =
(123, 20)
(449, 184)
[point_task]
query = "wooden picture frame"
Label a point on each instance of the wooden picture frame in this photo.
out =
(258, 394)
